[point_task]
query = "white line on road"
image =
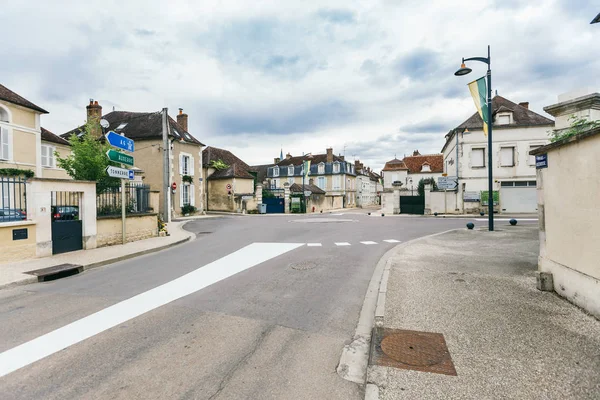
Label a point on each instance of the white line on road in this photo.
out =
(50, 343)
(369, 242)
(314, 244)
(342, 244)
(507, 219)
(392, 241)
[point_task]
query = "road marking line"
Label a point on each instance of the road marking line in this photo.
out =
(59, 339)
(392, 241)
(342, 244)
(369, 242)
(507, 219)
(313, 244)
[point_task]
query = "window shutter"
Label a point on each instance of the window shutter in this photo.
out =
(180, 164)
(44, 156)
(506, 157)
(181, 196)
(191, 167)
(192, 195)
(4, 143)
(477, 158)
(51, 157)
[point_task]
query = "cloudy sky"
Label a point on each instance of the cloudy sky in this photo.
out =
(370, 78)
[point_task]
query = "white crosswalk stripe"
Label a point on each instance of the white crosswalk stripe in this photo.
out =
(314, 244)
(369, 242)
(342, 244)
(391, 241)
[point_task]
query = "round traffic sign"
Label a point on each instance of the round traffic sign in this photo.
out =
(228, 186)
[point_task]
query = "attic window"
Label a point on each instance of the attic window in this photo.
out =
(425, 168)
(336, 167)
(122, 125)
(291, 170)
(175, 133)
(503, 119)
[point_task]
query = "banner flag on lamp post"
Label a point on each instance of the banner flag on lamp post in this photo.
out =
(306, 169)
(478, 92)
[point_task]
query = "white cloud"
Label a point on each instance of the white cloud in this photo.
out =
(376, 77)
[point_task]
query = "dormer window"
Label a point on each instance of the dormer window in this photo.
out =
(321, 168)
(504, 118)
(276, 171)
(425, 168)
(336, 167)
(291, 170)
(121, 126)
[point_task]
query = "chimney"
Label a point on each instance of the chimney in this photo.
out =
(416, 153)
(276, 160)
(182, 120)
(311, 181)
(329, 155)
(94, 115)
(288, 156)
(524, 104)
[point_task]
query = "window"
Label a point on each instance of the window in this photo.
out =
(507, 157)
(276, 171)
(4, 115)
(425, 168)
(291, 170)
(186, 164)
(532, 158)
(4, 144)
(321, 169)
(336, 167)
(48, 156)
(322, 182)
(478, 158)
(274, 183)
(291, 180)
(503, 119)
(337, 182)
(121, 126)
(185, 195)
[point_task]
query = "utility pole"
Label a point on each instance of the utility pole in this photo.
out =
(166, 166)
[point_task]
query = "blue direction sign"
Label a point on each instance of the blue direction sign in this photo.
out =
(119, 141)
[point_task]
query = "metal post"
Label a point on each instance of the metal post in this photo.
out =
(490, 166)
(123, 216)
(166, 167)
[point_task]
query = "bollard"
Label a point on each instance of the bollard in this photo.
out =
(513, 222)
(382, 214)
(470, 225)
(481, 213)
(435, 214)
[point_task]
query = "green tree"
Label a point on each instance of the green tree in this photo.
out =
(88, 160)
(423, 182)
(578, 125)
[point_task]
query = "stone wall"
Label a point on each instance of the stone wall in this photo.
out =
(17, 250)
(137, 227)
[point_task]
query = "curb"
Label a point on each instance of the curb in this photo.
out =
(86, 267)
(372, 390)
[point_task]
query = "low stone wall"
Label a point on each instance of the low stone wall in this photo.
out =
(137, 227)
(17, 250)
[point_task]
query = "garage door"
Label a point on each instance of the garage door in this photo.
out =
(518, 196)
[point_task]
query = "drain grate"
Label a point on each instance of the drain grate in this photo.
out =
(56, 272)
(303, 266)
(411, 350)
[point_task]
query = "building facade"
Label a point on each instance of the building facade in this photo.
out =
(366, 186)
(516, 131)
(329, 172)
(422, 166)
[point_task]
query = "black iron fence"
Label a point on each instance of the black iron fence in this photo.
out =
(13, 199)
(137, 199)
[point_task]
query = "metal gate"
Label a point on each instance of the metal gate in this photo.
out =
(275, 205)
(412, 205)
(67, 229)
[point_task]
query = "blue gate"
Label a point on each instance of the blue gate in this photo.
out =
(275, 205)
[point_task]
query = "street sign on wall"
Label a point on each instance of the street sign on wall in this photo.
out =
(447, 183)
(119, 157)
(541, 161)
(119, 141)
(471, 196)
(120, 173)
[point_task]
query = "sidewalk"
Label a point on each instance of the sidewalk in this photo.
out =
(505, 338)
(13, 273)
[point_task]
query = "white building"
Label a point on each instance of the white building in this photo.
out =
(394, 174)
(516, 131)
(366, 186)
(422, 166)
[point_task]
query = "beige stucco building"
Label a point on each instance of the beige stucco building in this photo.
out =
(184, 154)
(568, 194)
(24, 144)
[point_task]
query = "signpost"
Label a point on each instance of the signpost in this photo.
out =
(123, 143)
(447, 182)
(119, 157)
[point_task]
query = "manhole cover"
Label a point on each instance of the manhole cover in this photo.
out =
(303, 266)
(413, 349)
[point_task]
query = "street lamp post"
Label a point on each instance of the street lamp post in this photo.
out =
(464, 70)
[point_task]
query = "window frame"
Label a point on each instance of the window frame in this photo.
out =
(476, 149)
(275, 171)
(336, 182)
(336, 167)
(49, 156)
(290, 168)
(500, 158)
(321, 168)
(183, 193)
(324, 180)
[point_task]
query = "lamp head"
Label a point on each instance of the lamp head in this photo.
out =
(463, 70)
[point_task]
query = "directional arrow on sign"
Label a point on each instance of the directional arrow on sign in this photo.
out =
(447, 182)
(116, 172)
(119, 157)
(119, 141)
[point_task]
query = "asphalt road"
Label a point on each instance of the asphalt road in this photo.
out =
(272, 331)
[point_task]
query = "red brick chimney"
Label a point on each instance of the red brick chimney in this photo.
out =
(288, 156)
(524, 104)
(182, 120)
(329, 155)
(94, 115)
